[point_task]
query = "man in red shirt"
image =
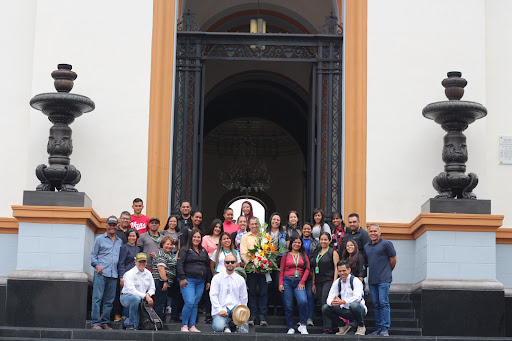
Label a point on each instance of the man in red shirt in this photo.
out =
(138, 220)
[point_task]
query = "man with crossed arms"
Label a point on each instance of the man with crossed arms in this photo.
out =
(227, 291)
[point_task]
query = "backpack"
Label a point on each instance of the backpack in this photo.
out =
(149, 320)
(351, 280)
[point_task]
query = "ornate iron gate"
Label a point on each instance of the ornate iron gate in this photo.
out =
(324, 51)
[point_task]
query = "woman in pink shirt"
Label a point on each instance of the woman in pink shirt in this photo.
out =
(292, 279)
(229, 225)
(211, 240)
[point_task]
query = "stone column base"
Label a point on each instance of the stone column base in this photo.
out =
(460, 307)
(37, 298)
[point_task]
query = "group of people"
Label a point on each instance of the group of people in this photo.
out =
(184, 266)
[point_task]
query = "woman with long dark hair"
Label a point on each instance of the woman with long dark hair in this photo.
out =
(194, 275)
(292, 281)
(338, 231)
(355, 260)
(211, 240)
(197, 224)
(225, 248)
(171, 230)
(319, 224)
(323, 266)
(293, 229)
(246, 211)
(277, 237)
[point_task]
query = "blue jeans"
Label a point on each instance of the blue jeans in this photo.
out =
(221, 322)
(104, 288)
(311, 298)
(131, 302)
(354, 313)
(380, 298)
(192, 293)
(258, 289)
(291, 288)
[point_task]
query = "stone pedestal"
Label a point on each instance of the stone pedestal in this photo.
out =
(467, 206)
(49, 286)
(46, 198)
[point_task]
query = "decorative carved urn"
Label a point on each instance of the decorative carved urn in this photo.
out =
(61, 108)
(455, 116)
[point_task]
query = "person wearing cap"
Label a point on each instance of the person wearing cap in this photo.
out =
(138, 285)
(104, 259)
(227, 291)
(149, 242)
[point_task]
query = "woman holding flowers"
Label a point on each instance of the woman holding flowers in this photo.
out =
(292, 280)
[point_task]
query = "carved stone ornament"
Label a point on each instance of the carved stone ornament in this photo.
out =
(455, 116)
(61, 108)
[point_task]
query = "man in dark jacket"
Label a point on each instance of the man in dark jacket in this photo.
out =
(356, 233)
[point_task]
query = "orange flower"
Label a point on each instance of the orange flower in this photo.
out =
(268, 237)
(253, 257)
(271, 246)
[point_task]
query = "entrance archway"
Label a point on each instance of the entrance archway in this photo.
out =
(323, 146)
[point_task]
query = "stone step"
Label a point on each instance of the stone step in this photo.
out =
(318, 330)
(369, 321)
(395, 313)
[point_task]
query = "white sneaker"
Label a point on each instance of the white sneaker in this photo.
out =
(361, 330)
(227, 330)
(310, 322)
(291, 331)
(303, 329)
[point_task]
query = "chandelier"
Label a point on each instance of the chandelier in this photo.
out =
(246, 173)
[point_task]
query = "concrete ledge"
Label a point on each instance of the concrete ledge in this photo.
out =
(508, 292)
(3, 280)
(46, 198)
(401, 287)
(45, 275)
(467, 206)
(458, 284)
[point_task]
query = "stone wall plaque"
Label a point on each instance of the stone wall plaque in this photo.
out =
(505, 150)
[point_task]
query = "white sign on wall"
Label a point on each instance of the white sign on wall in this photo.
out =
(505, 150)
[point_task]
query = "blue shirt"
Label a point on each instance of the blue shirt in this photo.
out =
(378, 261)
(306, 242)
(105, 253)
(127, 258)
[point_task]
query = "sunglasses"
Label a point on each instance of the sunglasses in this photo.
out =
(229, 262)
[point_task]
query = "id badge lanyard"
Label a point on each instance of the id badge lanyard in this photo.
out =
(317, 269)
(296, 261)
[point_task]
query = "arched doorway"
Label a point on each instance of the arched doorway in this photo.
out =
(312, 61)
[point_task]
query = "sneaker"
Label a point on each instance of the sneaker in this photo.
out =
(184, 329)
(343, 330)
(227, 330)
(361, 330)
(129, 327)
(96, 326)
(106, 326)
(263, 322)
(376, 332)
(251, 321)
(194, 329)
(291, 331)
(384, 332)
(326, 331)
(310, 322)
(303, 329)
(118, 318)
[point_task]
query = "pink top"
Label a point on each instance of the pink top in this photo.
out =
(288, 268)
(209, 245)
(230, 227)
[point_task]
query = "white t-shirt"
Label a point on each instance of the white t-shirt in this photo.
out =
(220, 266)
(316, 231)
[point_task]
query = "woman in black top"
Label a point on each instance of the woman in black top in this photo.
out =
(194, 275)
(293, 229)
(197, 224)
(355, 260)
(323, 267)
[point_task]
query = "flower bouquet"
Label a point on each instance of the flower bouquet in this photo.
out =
(264, 254)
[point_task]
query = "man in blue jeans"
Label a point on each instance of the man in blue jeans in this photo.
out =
(104, 259)
(381, 261)
(138, 285)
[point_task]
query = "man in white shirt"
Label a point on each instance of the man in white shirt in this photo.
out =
(138, 285)
(227, 291)
(346, 300)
